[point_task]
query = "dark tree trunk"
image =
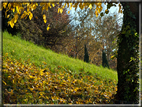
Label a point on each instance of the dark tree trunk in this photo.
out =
(86, 56)
(127, 70)
(104, 60)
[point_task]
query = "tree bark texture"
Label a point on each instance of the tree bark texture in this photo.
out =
(127, 87)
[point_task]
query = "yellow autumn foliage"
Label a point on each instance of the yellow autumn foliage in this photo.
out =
(31, 6)
(31, 85)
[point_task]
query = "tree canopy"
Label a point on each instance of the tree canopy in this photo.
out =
(25, 9)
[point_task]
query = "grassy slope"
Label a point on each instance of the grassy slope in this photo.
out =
(20, 49)
(17, 48)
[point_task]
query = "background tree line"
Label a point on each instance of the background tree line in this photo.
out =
(68, 37)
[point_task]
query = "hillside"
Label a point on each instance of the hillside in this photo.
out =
(18, 48)
(67, 80)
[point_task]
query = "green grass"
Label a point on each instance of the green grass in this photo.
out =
(24, 50)
(65, 80)
(19, 51)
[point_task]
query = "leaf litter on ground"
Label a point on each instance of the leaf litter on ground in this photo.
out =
(24, 83)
